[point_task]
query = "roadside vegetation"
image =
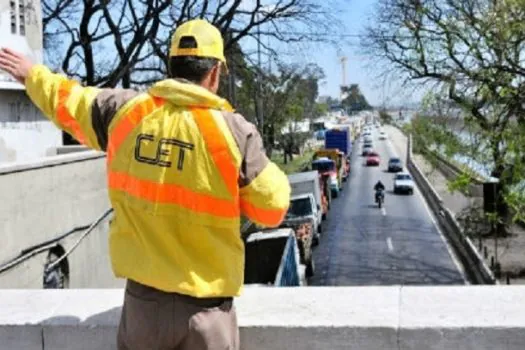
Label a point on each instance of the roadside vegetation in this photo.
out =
(299, 163)
(467, 54)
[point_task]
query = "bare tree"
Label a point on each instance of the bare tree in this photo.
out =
(473, 49)
(126, 42)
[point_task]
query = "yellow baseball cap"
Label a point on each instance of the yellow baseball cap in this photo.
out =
(207, 37)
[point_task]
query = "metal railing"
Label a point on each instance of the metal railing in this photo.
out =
(32, 251)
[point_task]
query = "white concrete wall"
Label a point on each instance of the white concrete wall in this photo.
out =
(302, 318)
(25, 135)
(45, 199)
(29, 43)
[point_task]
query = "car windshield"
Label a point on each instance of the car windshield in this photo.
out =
(403, 177)
(395, 160)
(323, 166)
(299, 207)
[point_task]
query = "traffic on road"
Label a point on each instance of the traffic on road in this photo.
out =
(359, 219)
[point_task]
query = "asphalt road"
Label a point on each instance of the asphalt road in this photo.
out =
(397, 245)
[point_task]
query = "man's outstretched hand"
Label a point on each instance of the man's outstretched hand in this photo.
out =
(15, 64)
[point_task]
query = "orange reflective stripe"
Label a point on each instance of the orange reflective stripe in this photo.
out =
(64, 117)
(172, 194)
(270, 217)
(128, 122)
(218, 148)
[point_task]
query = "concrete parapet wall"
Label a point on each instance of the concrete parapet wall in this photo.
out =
(44, 199)
(408, 318)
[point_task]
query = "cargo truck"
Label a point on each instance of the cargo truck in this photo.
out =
(310, 182)
(340, 138)
(337, 175)
(272, 258)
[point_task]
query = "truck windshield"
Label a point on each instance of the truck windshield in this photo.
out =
(323, 166)
(299, 207)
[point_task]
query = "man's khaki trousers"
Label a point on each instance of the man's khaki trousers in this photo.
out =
(156, 320)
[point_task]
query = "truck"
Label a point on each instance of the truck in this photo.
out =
(300, 220)
(337, 175)
(339, 138)
(272, 258)
(327, 169)
(310, 182)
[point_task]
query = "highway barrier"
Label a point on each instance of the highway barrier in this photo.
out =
(335, 318)
(475, 268)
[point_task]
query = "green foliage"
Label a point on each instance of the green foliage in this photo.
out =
(287, 95)
(298, 164)
(471, 53)
(385, 117)
(355, 101)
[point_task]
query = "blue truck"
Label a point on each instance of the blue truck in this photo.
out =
(340, 138)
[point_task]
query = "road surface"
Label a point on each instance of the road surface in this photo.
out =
(397, 245)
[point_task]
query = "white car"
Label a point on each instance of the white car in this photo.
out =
(382, 135)
(403, 183)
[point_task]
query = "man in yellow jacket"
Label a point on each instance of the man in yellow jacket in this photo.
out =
(181, 168)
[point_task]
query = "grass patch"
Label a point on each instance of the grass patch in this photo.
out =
(298, 164)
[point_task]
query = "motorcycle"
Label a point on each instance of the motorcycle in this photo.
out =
(380, 197)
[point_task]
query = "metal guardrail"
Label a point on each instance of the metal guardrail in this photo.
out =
(477, 271)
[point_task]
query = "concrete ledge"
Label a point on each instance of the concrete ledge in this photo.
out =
(411, 318)
(50, 161)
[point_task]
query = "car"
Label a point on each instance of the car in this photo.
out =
(373, 159)
(395, 165)
(403, 183)
(368, 139)
(382, 135)
(366, 149)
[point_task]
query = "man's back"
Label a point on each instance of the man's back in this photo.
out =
(182, 168)
(174, 184)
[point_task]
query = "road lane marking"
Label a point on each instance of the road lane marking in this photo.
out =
(389, 244)
(383, 211)
(445, 242)
(451, 253)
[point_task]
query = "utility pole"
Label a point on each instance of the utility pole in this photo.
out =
(343, 60)
(260, 113)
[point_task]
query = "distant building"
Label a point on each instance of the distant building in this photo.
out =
(25, 134)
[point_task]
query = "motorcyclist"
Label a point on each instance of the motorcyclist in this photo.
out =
(379, 188)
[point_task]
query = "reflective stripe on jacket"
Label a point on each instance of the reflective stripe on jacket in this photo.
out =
(182, 168)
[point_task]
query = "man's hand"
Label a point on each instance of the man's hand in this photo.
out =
(15, 64)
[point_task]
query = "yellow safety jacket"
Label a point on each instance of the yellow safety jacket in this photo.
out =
(181, 170)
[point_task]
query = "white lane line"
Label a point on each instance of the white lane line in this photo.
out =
(383, 211)
(389, 244)
(442, 236)
(436, 225)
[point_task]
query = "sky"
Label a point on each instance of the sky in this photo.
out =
(355, 15)
(360, 70)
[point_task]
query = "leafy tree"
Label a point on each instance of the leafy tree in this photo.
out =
(471, 49)
(355, 101)
(385, 117)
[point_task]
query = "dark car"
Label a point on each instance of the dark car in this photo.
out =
(395, 165)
